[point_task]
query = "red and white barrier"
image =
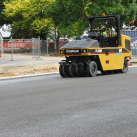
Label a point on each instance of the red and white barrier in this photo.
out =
(128, 63)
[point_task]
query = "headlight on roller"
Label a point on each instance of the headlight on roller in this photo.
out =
(61, 51)
(85, 51)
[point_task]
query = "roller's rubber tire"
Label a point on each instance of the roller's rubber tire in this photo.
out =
(91, 69)
(125, 67)
(76, 70)
(82, 71)
(67, 69)
(62, 70)
(71, 69)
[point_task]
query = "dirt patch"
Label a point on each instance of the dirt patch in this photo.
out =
(28, 70)
(133, 62)
(24, 64)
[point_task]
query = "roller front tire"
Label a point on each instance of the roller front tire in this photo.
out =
(91, 69)
(62, 70)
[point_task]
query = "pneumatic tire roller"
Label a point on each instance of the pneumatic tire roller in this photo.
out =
(86, 57)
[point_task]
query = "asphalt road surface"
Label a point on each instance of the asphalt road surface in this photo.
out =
(51, 106)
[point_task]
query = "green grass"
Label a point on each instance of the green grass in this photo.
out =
(39, 58)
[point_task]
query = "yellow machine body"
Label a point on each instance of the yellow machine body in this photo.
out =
(111, 58)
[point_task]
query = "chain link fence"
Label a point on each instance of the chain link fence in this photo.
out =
(11, 47)
(49, 48)
(133, 35)
(33, 47)
(36, 51)
(1, 46)
(134, 46)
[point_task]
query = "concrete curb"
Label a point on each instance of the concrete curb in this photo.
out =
(132, 66)
(31, 75)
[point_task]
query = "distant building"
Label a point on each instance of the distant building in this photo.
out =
(5, 35)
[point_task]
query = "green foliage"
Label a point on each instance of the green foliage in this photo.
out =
(127, 9)
(69, 16)
(28, 16)
(3, 19)
(75, 30)
(66, 15)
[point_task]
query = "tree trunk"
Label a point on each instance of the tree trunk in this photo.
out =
(57, 42)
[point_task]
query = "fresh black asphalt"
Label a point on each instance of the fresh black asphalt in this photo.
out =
(52, 106)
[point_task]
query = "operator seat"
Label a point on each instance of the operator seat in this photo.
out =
(93, 35)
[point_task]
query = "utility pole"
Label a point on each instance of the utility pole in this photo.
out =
(1, 46)
(1, 39)
(55, 37)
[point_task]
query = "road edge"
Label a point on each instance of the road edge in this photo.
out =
(33, 75)
(30, 75)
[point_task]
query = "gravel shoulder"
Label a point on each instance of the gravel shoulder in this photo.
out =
(25, 64)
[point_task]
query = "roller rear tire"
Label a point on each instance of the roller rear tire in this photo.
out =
(71, 69)
(62, 70)
(67, 66)
(76, 70)
(82, 70)
(91, 69)
(125, 67)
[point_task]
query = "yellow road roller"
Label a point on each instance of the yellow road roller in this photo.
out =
(87, 56)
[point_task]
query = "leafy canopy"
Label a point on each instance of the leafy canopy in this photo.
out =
(28, 15)
(3, 19)
(69, 16)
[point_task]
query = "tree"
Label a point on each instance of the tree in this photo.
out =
(28, 17)
(66, 16)
(3, 19)
(70, 14)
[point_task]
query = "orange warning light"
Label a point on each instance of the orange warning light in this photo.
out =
(103, 14)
